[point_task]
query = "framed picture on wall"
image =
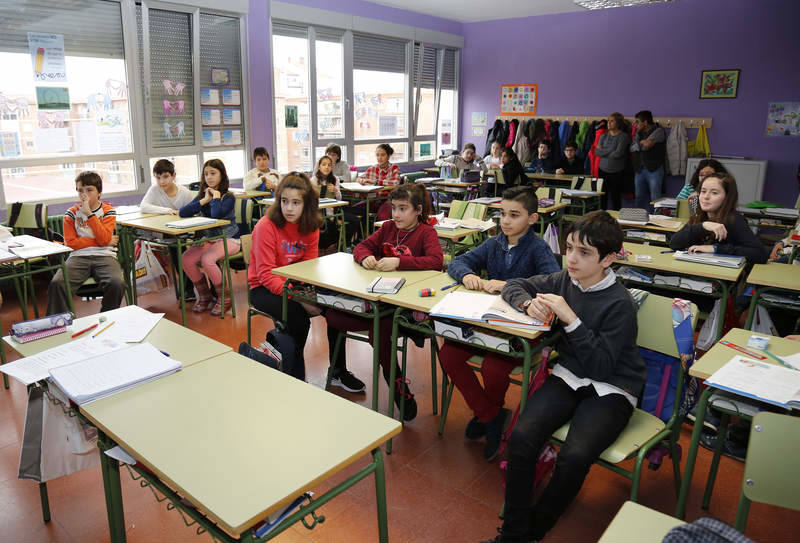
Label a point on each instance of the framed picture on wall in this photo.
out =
(719, 83)
(518, 99)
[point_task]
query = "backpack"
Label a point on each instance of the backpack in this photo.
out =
(284, 344)
(705, 530)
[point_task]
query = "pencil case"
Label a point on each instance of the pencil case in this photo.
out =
(25, 331)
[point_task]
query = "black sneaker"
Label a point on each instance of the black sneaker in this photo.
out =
(342, 378)
(730, 448)
(494, 434)
(475, 429)
(710, 421)
(410, 412)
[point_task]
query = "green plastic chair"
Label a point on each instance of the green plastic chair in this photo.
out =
(457, 209)
(247, 247)
(645, 431)
(771, 471)
(32, 219)
(579, 207)
(683, 211)
(549, 192)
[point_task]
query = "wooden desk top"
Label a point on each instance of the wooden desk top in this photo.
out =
(666, 262)
(340, 273)
(773, 274)
(456, 183)
(364, 188)
(551, 176)
(238, 439)
(455, 234)
(409, 298)
(648, 226)
(327, 205)
(136, 215)
(636, 523)
(157, 223)
(719, 355)
(241, 194)
(549, 209)
(182, 344)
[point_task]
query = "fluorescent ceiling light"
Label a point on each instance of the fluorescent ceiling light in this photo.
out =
(605, 4)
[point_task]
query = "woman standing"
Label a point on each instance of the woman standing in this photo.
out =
(613, 150)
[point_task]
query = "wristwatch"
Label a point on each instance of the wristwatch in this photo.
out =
(524, 305)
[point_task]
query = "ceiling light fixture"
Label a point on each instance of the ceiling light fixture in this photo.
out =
(606, 4)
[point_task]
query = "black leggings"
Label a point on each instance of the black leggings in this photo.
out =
(612, 188)
(298, 323)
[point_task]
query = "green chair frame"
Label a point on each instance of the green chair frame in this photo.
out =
(578, 207)
(247, 247)
(25, 222)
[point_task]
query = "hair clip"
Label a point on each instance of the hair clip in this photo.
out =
(173, 108)
(173, 131)
(173, 88)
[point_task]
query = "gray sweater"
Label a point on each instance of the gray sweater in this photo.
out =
(603, 347)
(612, 151)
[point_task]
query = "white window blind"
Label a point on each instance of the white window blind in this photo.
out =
(378, 54)
(279, 28)
(426, 65)
(91, 28)
(449, 70)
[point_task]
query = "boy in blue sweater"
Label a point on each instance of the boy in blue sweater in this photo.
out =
(516, 252)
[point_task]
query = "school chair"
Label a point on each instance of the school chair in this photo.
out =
(24, 218)
(411, 177)
(244, 220)
(636, 523)
(683, 210)
(644, 430)
(771, 471)
(552, 193)
(578, 207)
(247, 247)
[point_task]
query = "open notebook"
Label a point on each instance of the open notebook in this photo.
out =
(191, 222)
(727, 261)
(489, 308)
(760, 380)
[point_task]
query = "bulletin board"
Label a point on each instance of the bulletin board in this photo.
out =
(518, 99)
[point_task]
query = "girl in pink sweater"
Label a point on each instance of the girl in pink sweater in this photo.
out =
(288, 233)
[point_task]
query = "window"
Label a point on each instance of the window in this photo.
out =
(367, 90)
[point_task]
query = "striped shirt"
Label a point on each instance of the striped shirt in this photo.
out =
(90, 235)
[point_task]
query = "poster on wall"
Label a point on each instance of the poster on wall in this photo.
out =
(518, 100)
(424, 149)
(232, 116)
(231, 97)
(479, 118)
(51, 140)
(211, 138)
(231, 137)
(479, 131)
(9, 143)
(291, 116)
(47, 56)
(209, 97)
(387, 125)
(210, 117)
(111, 132)
(52, 98)
(783, 119)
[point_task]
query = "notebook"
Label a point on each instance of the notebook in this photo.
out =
(759, 380)
(492, 309)
(386, 285)
(191, 222)
(727, 261)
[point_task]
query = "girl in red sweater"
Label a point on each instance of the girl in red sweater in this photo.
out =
(407, 242)
(288, 233)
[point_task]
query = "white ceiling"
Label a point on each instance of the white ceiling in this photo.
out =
(473, 11)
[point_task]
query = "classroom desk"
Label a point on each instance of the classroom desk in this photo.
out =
(664, 261)
(703, 368)
(547, 215)
(456, 187)
(365, 193)
(667, 231)
(157, 224)
(452, 236)
(527, 343)
(338, 207)
(338, 272)
(264, 440)
(552, 179)
(241, 194)
(636, 523)
(772, 277)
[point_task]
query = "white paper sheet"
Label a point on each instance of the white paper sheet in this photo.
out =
(132, 323)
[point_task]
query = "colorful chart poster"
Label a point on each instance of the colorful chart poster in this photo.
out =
(211, 138)
(518, 99)
(783, 119)
(9, 143)
(210, 117)
(231, 97)
(231, 137)
(209, 97)
(232, 116)
(424, 149)
(47, 56)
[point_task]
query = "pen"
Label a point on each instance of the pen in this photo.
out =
(450, 286)
(779, 360)
(76, 334)
(665, 252)
(104, 329)
(742, 350)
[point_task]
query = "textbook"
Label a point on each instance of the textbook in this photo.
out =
(726, 261)
(657, 220)
(100, 376)
(763, 381)
(488, 308)
(386, 285)
(191, 222)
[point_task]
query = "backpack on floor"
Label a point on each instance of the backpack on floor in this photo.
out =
(705, 530)
(282, 342)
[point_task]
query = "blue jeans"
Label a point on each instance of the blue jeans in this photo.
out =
(596, 423)
(648, 187)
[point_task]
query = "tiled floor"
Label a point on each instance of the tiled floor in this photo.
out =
(439, 487)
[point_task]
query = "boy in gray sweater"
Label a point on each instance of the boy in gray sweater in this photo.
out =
(595, 384)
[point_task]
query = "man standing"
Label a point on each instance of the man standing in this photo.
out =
(650, 144)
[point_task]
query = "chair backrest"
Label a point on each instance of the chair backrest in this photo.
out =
(22, 216)
(549, 192)
(247, 246)
(771, 471)
(474, 211)
(655, 325)
(587, 183)
(243, 210)
(683, 211)
(457, 209)
(498, 177)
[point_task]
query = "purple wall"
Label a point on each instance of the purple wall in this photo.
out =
(650, 57)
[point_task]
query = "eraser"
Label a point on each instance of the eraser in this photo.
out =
(426, 292)
(644, 258)
(758, 342)
(102, 319)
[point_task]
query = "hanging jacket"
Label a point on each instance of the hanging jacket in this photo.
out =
(555, 142)
(492, 136)
(538, 133)
(595, 160)
(512, 133)
(504, 135)
(581, 137)
(699, 146)
(563, 133)
(520, 147)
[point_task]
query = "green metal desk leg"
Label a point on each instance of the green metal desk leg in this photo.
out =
(380, 496)
(113, 492)
(376, 366)
(753, 307)
(182, 298)
(285, 304)
(3, 361)
(723, 308)
(691, 457)
(392, 371)
(526, 374)
(341, 244)
(66, 284)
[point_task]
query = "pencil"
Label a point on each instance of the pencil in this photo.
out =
(106, 327)
(76, 334)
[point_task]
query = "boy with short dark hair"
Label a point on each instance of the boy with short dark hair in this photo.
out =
(514, 252)
(165, 197)
(466, 161)
(569, 164)
(594, 386)
(262, 177)
(89, 232)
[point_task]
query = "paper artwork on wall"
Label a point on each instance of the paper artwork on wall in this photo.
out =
(479, 131)
(479, 118)
(518, 99)
(209, 96)
(783, 119)
(47, 56)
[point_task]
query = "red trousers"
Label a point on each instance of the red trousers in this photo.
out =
(485, 401)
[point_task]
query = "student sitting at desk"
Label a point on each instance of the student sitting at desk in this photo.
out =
(466, 161)
(542, 162)
(494, 160)
(215, 201)
(340, 168)
(89, 232)
(569, 164)
(594, 385)
(513, 172)
(327, 186)
(165, 197)
(384, 172)
(716, 227)
(407, 242)
(288, 233)
(513, 253)
(705, 167)
(262, 177)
